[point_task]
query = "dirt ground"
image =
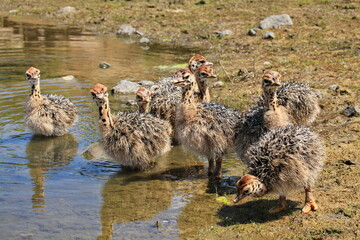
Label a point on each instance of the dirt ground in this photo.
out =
(322, 48)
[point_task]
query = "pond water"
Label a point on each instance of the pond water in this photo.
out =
(48, 189)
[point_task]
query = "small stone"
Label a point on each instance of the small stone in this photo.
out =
(253, 31)
(13, 11)
(275, 21)
(269, 35)
(144, 40)
(352, 111)
(218, 84)
(67, 10)
(333, 87)
(104, 65)
(201, 2)
(68, 78)
(128, 30)
(267, 64)
(224, 33)
(125, 86)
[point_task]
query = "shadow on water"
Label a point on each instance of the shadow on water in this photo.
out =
(45, 154)
(253, 212)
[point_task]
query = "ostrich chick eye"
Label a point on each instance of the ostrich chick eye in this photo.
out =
(267, 81)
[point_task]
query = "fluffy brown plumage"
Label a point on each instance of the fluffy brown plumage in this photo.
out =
(131, 138)
(257, 121)
(284, 159)
(300, 101)
(47, 114)
(205, 128)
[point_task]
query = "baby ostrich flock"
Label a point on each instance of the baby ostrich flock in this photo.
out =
(273, 138)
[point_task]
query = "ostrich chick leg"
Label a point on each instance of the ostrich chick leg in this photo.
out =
(281, 207)
(310, 204)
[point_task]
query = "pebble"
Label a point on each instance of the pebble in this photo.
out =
(68, 78)
(128, 30)
(224, 33)
(104, 65)
(144, 40)
(218, 84)
(352, 111)
(275, 21)
(67, 10)
(333, 87)
(269, 35)
(253, 31)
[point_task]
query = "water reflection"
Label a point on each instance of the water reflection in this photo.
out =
(132, 201)
(130, 196)
(45, 154)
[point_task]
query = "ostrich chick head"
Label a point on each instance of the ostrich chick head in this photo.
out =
(32, 74)
(184, 78)
(143, 95)
(271, 79)
(249, 185)
(197, 61)
(99, 93)
(204, 73)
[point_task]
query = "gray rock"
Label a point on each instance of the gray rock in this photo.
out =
(125, 86)
(253, 31)
(267, 64)
(144, 40)
(68, 78)
(218, 84)
(352, 111)
(128, 30)
(146, 83)
(269, 35)
(14, 11)
(275, 21)
(67, 10)
(104, 65)
(333, 87)
(224, 33)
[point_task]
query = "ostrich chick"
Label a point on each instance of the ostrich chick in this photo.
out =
(201, 89)
(300, 101)
(203, 82)
(131, 138)
(205, 128)
(275, 115)
(47, 114)
(257, 121)
(284, 159)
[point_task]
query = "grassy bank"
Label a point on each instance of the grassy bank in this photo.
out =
(322, 48)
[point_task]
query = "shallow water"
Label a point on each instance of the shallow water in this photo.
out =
(48, 189)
